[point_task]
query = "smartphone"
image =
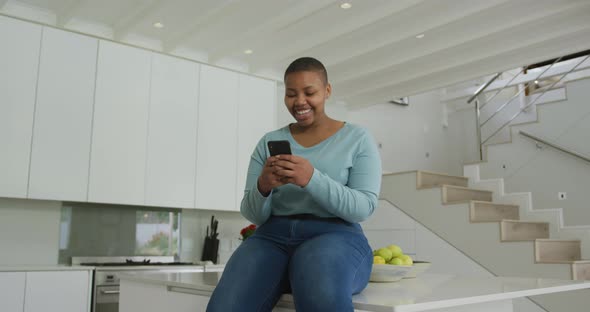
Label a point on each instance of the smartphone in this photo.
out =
(279, 148)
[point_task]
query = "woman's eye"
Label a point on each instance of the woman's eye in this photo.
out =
(290, 95)
(309, 94)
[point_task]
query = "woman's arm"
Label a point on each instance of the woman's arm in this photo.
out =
(255, 207)
(357, 200)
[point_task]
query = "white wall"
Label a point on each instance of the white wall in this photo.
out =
(411, 137)
(29, 232)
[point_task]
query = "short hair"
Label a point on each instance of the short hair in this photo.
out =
(307, 64)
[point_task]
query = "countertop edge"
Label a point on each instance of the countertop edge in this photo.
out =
(39, 268)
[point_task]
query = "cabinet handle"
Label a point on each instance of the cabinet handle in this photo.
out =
(189, 291)
(110, 292)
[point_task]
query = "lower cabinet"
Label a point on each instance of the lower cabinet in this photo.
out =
(64, 291)
(145, 297)
(12, 291)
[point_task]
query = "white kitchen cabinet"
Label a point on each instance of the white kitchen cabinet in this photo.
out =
(19, 60)
(256, 116)
(144, 297)
(217, 139)
(117, 159)
(172, 133)
(64, 291)
(12, 291)
(63, 117)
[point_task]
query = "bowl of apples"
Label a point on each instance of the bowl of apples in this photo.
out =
(390, 264)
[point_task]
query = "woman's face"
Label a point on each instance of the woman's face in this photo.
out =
(305, 95)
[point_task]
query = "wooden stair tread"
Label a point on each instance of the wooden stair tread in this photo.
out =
(429, 179)
(452, 194)
(517, 230)
(483, 211)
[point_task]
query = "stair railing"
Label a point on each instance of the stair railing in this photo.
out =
(555, 146)
(476, 98)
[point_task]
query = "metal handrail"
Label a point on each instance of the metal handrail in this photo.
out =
(555, 146)
(535, 100)
(504, 87)
(517, 94)
(480, 90)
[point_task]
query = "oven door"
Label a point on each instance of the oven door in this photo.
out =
(106, 299)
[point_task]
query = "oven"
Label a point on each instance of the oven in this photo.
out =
(105, 285)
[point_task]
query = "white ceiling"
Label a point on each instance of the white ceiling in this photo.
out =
(371, 49)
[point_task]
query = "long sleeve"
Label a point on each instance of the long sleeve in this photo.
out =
(255, 207)
(357, 200)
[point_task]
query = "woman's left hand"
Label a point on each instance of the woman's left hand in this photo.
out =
(293, 169)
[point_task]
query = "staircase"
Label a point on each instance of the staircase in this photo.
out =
(499, 230)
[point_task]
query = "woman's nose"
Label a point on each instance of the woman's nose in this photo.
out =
(300, 99)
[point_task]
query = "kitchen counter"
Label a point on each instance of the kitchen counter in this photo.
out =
(427, 292)
(34, 268)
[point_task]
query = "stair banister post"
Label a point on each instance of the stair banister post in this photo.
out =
(478, 128)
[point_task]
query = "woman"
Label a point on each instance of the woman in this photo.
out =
(308, 206)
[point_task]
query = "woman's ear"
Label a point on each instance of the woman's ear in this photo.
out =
(328, 91)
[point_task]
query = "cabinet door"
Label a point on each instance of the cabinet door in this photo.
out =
(12, 291)
(63, 117)
(19, 60)
(117, 159)
(172, 134)
(217, 139)
(256, 117)
(64, 291)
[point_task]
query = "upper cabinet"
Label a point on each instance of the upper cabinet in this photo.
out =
(256, 116)
(172, 133)
(19, 61)
(217, 139)
(118, 153)
(63, 117)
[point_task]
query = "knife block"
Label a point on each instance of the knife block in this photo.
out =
(210, 249)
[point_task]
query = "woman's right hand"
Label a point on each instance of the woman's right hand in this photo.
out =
(268, 179)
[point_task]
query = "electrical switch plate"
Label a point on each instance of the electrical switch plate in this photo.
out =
(562, 195)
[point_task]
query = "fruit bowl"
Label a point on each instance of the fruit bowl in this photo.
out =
(418, 268)
(389, 272)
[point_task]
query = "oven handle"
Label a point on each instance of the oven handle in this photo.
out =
(110, 292)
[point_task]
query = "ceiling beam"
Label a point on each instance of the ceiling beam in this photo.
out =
(123, 26)
(511, 15)
(67, 12)
(301, 36)
(200, 24)
(512, 38)
(301, 10)
(536, 52)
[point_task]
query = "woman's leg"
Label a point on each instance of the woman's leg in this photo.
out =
(254, 277)
(325, 271)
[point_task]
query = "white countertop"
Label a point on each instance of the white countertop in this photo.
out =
(56, 267)
(422, 293)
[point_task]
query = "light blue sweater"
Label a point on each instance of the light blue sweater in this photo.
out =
(345, 182)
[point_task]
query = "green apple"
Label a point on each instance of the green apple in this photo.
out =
(396, 261)
(384, 253)
(396, 251)
(407, 260)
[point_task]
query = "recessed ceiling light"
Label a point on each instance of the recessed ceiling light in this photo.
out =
(346, 5)
(248, 51)
(536, 81)
(420, 36)
(158, 25)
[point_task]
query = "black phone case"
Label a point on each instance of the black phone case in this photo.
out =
(279, 147)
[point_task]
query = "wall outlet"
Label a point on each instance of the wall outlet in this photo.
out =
(561, 195)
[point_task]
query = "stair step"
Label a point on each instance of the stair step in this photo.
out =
(515, 230)
(481, 211)
(426, 179)
(457, 194)
(557, 251)
(581, 270)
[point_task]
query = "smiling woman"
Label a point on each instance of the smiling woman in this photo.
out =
(307, 206)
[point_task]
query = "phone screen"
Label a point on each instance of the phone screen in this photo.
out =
(279, 148)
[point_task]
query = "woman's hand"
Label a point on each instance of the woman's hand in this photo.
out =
(293, 169)
(268, 178)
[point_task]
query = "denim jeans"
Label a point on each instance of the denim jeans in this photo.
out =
(322, 262)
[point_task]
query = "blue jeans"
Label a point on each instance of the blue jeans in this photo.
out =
(322, 262)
